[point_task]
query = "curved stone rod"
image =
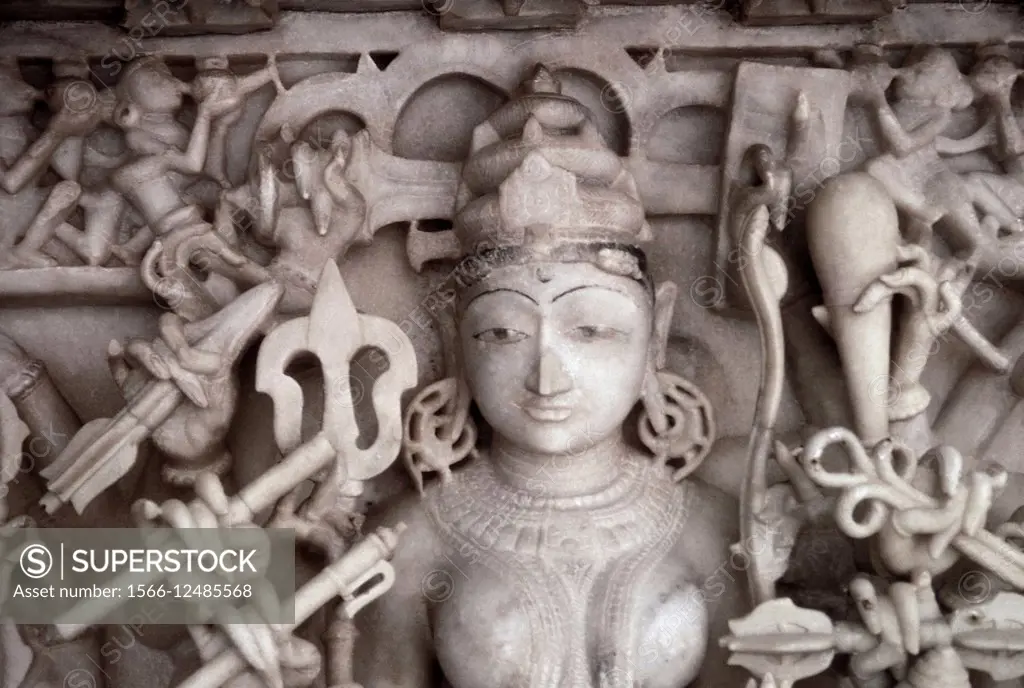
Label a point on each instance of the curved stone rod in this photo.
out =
(950, 460)
(879, 497)
(810, 459)
(900, 483)
(987, 352)
(190, 301)
(942, 523)
(765, 298)
(758, 209)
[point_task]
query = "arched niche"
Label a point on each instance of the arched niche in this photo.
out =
(322, 128)
(690, 135)
(438, 120)
(606, 103)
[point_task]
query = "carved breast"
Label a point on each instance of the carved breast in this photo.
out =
(566, 594)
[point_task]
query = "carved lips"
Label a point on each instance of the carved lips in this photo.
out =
(547, 413)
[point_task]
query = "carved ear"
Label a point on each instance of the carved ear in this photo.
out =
(664, 305)
(127, 115)
(452, 348)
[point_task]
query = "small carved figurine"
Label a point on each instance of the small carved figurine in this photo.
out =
(215, 79)
(182, 393)
(1000, 197)
(927, 91)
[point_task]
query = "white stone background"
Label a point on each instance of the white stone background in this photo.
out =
(424, 105)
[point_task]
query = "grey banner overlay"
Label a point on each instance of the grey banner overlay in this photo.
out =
(121, 575)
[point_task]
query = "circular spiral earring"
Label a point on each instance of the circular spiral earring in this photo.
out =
(438, 431)
(677, 422)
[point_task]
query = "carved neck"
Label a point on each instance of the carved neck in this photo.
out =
(560, 475)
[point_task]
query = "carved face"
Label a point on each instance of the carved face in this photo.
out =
(555, 354)
(933, 77)
(995, 76)
(19, 97)
(153, 89)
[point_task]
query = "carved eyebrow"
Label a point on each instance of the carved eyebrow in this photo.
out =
(494, 291)
(589, 286)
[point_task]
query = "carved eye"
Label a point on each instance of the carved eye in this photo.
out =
(500, 335)
(975, 617)
(867, 605)
(592, 332)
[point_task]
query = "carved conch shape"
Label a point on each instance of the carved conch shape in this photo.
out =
(334, 332)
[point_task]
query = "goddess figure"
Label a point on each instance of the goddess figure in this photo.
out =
(563, 554)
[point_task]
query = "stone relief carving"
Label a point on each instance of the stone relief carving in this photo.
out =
(191, 17)
(607, 510)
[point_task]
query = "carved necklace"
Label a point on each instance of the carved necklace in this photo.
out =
(575, 562)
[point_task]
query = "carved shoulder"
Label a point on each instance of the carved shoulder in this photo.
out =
(712, 525)
(394, 647)
(419, 545)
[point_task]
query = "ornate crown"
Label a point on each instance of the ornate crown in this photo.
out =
(541, 175)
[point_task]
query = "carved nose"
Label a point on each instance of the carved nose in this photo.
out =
(549, 376)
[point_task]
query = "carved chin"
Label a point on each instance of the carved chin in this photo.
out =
(550, 436)
(571, 430)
